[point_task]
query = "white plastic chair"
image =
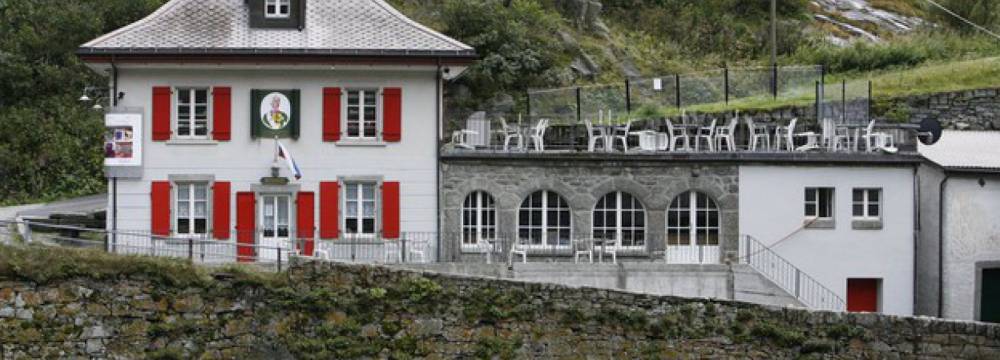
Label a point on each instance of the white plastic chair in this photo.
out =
(417, 249)
(594, 135)
(784, 134)
(676, 135)
(842, 135)
(727, 135)
(391, 250)
(876, 140)
(583, 247)
(519, 248)
(486, 247)
(509, 133)
(613, 251)
(538, 134)
(758, 135)
(706, 133)
(621, 133)
(462, 138)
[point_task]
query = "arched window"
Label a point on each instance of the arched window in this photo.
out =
(693, 219)
(479, 218)
(544, 220)
(620, 216)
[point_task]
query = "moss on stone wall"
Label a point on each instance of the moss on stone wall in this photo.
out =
(61, 303)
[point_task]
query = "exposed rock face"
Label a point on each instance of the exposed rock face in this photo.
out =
(848, 15)
(586, 14)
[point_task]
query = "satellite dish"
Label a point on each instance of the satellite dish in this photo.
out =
(929, 132)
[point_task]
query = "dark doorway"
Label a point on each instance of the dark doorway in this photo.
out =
(989, 301)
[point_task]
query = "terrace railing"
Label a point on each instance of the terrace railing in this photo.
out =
(788, 277)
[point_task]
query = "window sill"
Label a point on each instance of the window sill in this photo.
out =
(866, 224)
(201, 142)
(361, 143)
(819, 224)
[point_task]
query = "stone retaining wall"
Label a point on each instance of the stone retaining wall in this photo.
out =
(344, 311)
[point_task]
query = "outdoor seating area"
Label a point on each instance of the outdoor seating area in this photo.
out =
(681, 134)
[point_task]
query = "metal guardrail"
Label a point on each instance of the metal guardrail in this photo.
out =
(204, 251)
(788, 277)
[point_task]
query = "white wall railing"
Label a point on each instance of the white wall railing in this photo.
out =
(788, 277)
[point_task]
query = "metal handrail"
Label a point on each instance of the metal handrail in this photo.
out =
(787, 276)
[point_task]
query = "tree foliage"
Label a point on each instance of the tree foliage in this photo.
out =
(49, 142)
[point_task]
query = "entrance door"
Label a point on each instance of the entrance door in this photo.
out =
(863, 295)
(693, 230)
(275, 215)
(989, 302)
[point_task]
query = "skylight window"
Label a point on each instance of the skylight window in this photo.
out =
(277, 8)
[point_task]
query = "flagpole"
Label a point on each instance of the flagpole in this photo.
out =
(274, 161)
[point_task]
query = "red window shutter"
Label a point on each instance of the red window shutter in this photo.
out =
(392, 107)
(220, 210)
(222, 113)
(331, 114)
(245, 226)
(329, 214)
(160, 206)
(161, 113)
(306, 228)
(390, 210)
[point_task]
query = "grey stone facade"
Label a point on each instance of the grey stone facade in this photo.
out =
(582, 182)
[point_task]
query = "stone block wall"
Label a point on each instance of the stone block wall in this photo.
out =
(963, 110)
(582, 181)
(322, 310)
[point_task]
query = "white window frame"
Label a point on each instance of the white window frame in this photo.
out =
(191, 205)
(277, 14)
(818, 201)
(359, 213)
(865, 203)
(192, 106)
(483, 208)
(362, 93)
(693, 228)
(545, 227)
(618, 210)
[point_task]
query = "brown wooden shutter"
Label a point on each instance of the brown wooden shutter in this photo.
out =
(160, 207)
(245, 226)
(222, 113)
(329, 214)
(331, 114)
(220, 210)
(306, 223)
(390, 210)
(392, 106)
(161, 113)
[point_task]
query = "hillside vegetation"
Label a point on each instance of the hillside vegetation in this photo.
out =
(49, 145)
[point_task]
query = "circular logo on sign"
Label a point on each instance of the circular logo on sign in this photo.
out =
(275, 111)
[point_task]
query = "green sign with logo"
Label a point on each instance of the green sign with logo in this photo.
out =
(274, 113)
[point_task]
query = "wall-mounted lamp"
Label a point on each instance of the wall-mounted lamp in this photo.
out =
(97, 95)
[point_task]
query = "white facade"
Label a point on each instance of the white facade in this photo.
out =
(772, 210)
(971, 241)
(243, 161)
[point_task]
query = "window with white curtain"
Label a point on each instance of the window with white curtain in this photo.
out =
(544, 220)
(192, 113)
(360, 208)
(620, 216)
(192, 209)
(479, 218)
(362, 114)
(693, 219)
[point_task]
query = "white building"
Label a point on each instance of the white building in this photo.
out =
(959, 248)
(351, 88)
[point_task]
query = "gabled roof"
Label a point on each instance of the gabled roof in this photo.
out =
(965, 150)
(332, 27)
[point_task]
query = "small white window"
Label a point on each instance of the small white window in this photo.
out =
(819, 203)
(362, 114)
(359, 210)
(479, 218)
(192, 113)
(867, 204)
(192, 209)
(277, 8)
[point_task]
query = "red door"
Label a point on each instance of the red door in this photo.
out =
(245, 226)
(862, 295)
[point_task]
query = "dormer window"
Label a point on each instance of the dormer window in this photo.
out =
(277, 9)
